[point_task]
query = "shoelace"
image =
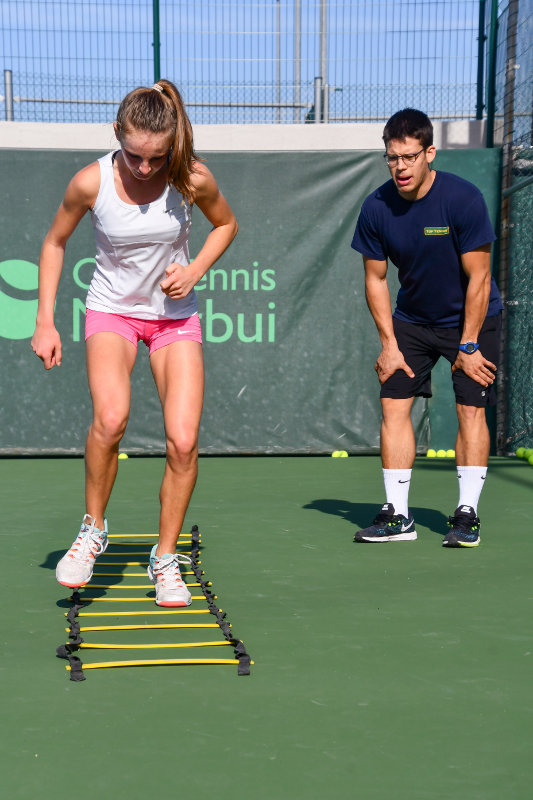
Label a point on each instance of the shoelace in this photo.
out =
(169, 570)
(87, 543)
(386, 519)
(463, 522)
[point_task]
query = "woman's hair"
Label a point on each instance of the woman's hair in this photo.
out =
(161, 110)
(409, 123)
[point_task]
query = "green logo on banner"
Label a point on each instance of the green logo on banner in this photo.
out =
(18, 298)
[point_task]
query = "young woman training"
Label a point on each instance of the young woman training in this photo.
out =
(140, 199)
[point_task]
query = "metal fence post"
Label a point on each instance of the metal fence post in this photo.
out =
(481, 39)
(297, 59)
(278, 62)
(157, 42)
(491, 78)
(324, 57)
(8, 92)
(318, 99)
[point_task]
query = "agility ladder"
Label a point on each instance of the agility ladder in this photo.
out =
(79, 602)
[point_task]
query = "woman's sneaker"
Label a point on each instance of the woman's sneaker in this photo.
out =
(76, 566)
(464, 528)
(164, 572)
(388, 527)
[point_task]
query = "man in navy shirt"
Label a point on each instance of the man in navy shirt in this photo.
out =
(435, 228)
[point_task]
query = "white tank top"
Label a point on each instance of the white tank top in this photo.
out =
(134, 246)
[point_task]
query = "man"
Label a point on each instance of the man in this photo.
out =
(435, 228)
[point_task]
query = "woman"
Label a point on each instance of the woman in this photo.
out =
(140, 200)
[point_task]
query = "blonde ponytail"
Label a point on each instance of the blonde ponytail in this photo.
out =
(161, 110)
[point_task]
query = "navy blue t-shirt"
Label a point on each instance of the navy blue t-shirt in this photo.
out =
(425, 239)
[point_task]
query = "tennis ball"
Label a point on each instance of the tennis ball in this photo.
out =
(521, 452)
(528, 452)
(336, 454)
(450, 453)
(122, 455)
(343, 454)
(530, 460)
(441, 453)
(431, 453)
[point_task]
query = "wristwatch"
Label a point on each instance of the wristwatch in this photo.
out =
(469, 347)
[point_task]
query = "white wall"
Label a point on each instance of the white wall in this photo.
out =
(210, 138)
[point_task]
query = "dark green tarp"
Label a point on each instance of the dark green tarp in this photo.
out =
(289, 343)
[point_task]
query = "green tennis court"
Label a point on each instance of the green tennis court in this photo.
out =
(400, 670)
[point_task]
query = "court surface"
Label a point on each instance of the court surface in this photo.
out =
(381, 671)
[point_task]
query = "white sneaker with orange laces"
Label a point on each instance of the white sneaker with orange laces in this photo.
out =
(76, 566)
(164, 572)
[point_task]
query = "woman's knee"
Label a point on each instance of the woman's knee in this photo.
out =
(182, 447)
(109, 425)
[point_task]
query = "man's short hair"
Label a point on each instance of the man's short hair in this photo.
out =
(409, 122)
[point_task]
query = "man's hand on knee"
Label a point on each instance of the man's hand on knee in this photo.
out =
(389, 361)
(476, 367)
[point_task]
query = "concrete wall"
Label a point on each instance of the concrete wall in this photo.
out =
(212, 138)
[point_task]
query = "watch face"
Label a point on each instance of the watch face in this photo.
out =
(470, 347)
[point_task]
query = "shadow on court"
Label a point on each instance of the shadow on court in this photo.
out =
(361, 515)
(52, 558)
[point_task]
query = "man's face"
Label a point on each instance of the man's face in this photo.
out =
(412, 176)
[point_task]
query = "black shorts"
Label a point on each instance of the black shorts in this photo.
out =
(422, 347)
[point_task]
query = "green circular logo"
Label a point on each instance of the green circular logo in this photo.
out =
(19, 282)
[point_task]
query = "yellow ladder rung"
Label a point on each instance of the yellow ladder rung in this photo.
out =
(130, 599)
(118, 586)
(136, 553)
(145, 548)
(134, 575)
(89, 646)
(128, 586)
(146, 536)
(159, 661)
(147, 627)
(127, 563)
(142, 613)
(125, 541)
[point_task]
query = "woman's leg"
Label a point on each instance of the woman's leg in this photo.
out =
(179, 375)
(110, 360)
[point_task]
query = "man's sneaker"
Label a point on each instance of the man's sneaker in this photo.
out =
(76, 566)
(388, 527)
(164, 572)
(464, 528)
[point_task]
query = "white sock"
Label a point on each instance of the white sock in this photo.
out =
(471, 481)
(397, 483)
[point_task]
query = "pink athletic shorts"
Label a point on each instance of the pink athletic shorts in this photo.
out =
(155, 333)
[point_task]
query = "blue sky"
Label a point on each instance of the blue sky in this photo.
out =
(227, 51)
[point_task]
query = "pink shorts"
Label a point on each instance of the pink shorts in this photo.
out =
(155, 333)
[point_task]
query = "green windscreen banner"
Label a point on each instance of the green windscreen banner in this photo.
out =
(289, 343)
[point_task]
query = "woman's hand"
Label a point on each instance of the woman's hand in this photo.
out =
(46, 343)
(179, 281)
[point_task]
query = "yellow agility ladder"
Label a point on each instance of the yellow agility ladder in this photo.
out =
(80, 604)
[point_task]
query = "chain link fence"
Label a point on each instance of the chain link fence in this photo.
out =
(514, 129)
(241, 61)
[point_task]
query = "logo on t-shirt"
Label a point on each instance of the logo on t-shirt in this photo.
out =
(436, 231)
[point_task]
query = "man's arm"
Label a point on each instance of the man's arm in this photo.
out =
(476, 265)
(378, 299)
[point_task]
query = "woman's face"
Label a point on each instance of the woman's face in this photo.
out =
(145, 153)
